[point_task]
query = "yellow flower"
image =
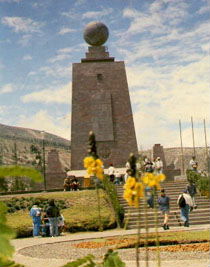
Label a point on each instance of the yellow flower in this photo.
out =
(88, 161)
(130, 183)
(139, 188)
(133, 191)
(94, 167)
(153, 180)
(99, 162)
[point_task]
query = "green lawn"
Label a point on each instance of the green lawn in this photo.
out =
(81, 215)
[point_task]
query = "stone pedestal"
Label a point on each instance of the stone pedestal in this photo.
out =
(54, 172)
(101, 103)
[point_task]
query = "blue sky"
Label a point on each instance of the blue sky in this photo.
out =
(164, 43)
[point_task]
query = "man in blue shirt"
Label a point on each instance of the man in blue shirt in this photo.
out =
(164, 206)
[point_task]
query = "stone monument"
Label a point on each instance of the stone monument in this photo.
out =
(101, 103)
(168, 169)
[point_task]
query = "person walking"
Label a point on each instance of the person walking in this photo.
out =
(53, 213)
(35, 213)
(164, 206)
(185, 204)
(191, 189)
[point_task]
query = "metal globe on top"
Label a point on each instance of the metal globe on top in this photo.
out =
(96, 33)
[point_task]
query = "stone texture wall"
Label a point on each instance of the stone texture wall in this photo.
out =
(101, 103)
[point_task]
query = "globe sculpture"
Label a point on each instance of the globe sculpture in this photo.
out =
(96, 33)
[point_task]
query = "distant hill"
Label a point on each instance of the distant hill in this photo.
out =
(173, 156)
(30, 135)
(15, 145)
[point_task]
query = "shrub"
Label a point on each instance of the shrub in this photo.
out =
(202, 182)
(23, 203)
(111, 192)
(192, 176)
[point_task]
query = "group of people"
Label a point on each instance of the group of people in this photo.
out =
(185, 201)
(71, 184)
(155, 166)
(48, 223)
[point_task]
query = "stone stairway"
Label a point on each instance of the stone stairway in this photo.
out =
(201, 215)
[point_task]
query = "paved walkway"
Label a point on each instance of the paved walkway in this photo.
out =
(37, 262)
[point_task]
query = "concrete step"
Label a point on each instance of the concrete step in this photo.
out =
(172, 203)
(175, 208)
(134, 226)
(172, 200)
(168, 188)
(199, 216)
(172, 207)
(151, 219)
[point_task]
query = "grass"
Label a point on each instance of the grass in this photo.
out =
(82, 214)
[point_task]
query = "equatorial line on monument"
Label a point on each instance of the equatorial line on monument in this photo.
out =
(101, 103)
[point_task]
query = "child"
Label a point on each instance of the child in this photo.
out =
(61, 224)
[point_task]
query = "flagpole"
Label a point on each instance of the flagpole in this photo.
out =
(182, 153)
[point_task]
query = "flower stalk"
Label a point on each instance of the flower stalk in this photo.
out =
(94, 168)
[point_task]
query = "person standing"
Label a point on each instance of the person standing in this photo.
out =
(45, 225)
(164, 206)
(127, 174)
(193, 164)
(158, 166)
(191, 189)
(111, 172)
(53, 213)
(35, 213)
(185, 204)
(148, 166)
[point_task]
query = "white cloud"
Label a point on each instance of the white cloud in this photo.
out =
(71, 14)
(67, 50)
(57, 71)
(7, 88)
(158, 19)
(160, 100)
(63, 53)
(27, 57)
(80, 2)
(168, 71)
(59, 57)
(25, 39)
(2, 109)
(44, 122)
(97, 14)
(204, 9)
(32, 73)
(49, 96)
(22, 24)
(65, 31)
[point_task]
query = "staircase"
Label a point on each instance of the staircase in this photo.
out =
(198, 216)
